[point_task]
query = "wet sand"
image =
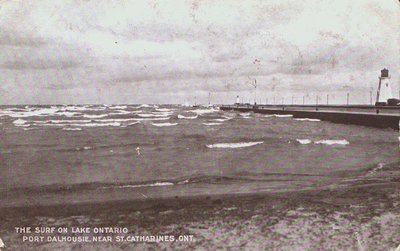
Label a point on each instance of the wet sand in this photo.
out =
(358, 214)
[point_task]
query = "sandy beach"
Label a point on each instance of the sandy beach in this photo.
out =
(360, 214)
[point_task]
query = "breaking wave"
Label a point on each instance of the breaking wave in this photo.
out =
(187, 117)
(147, 115)
(164, 124)
(212, 124)
(72, 129)
(221, 120)
(332, 142)
(156, 184)
(307, 119)
(204, 111)
(324, 142)
(235, 145)
(304, 141)
(283, 115)
(94, 116)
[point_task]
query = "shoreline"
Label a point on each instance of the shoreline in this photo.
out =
(362, 214)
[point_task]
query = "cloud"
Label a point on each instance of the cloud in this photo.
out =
(158, 47)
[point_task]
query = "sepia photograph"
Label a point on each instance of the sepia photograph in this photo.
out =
(200, 125)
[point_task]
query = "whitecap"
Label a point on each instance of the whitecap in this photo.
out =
(144, 105)
(204, 111)
(144, 119)
(84, 148)
(165, 110)
(245, 114)
(121, 112)
(19, 122)
(221, 120)
(235, 145)
(283, 115)
(164, 124)
(303, 141)
(30, 113)
(146, 115)
(307, 119)
(80, 124)
(64, 121)
(95, 116)
(118, 107)
(156, 184)
(67, 114)
(187, 117)
(72, 129)
(332, 142)
(212, 124)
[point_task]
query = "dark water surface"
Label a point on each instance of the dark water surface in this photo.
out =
(73, 154)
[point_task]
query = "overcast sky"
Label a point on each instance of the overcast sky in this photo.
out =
(153, 51)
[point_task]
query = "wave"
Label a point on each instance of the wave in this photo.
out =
(279, 116)
(332, 142)
(147, 115)
(116, 107)
(235, 145)
(80, 108)
(80, 124)
(304, 141)
(204, 111)
(144, 105)
(19, 122)
(72, 129)
(245, 114)
(221, 120)
(307, 119)
(165, 110)
(325, 142)
(30, 112)
(150, 119)
(156, 184)
(120, 112)
(62, 121)
(212, 124)
(95, 116)
(283, 115)
(164, 124)
(187, 117)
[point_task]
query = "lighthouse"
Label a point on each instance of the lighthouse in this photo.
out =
(384, 92)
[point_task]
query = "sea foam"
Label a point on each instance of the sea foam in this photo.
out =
(187, 117)
(235, 145)
(332, 142)
(164, 124)
(212, 124)
(307, 119)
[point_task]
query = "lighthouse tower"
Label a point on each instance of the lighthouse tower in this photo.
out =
(384, 89)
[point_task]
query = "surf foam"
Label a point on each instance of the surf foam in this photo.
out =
(164, 124)
(307, 119)
(187, 117)
(235, 145)
(332, 142)
(212, 124)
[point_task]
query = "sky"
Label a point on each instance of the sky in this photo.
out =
(154, 51)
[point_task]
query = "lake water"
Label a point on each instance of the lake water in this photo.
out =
(74, 154)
